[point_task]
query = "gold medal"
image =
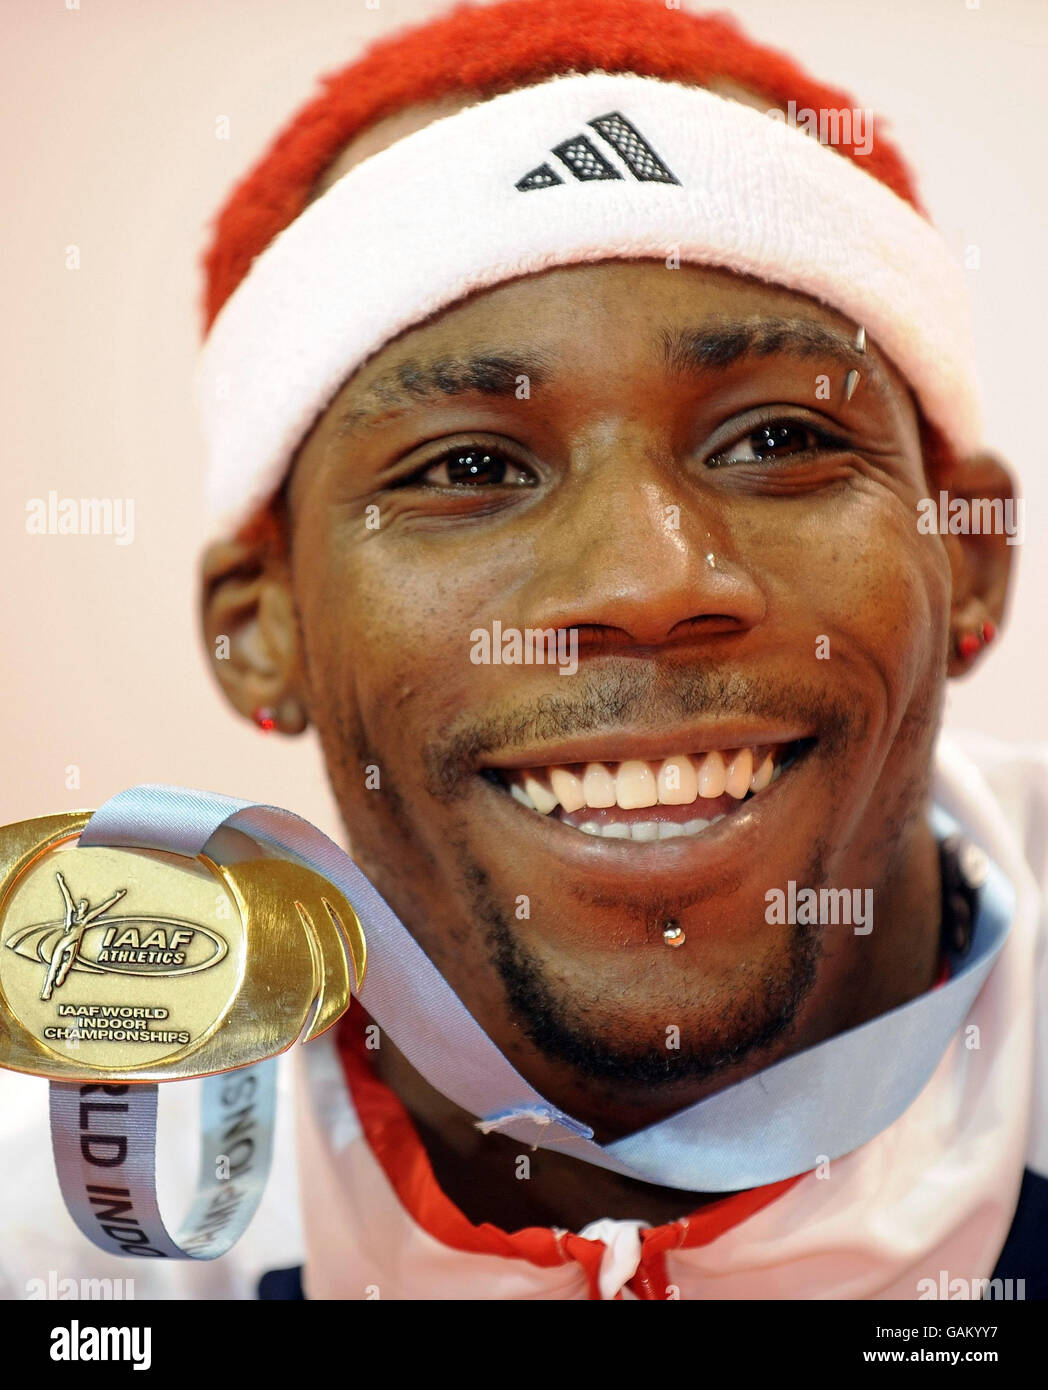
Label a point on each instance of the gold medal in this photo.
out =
(139, 965)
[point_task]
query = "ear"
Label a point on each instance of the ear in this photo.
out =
(251, 630)
(986, 526)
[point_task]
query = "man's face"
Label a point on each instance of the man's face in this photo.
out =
(666, 462)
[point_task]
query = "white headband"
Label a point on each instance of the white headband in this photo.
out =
(585, 167)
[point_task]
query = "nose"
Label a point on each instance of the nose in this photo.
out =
(637, 552)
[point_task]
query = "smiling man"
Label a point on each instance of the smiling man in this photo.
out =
(543, 329)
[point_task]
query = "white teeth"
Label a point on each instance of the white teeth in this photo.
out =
(635, 785)
(678, 782)
(762, 775)
(740, 770)
(645, 830)
(598, 786)
(567, 788)
(712, 775)
(541, 797)
(611, 830)
(670, 830)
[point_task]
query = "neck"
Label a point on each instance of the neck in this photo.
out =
(480, 1173)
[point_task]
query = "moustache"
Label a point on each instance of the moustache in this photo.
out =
(638, 699)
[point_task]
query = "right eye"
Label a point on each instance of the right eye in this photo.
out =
(473, 465)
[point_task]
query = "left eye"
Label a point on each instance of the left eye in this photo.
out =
(474, 466)
(777, 439)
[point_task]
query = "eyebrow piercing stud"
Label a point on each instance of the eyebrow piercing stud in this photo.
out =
(860, 339)
(673, 934)
(850, 383)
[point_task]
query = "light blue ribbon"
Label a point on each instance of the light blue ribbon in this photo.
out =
(826, 1101)
(104, 1143)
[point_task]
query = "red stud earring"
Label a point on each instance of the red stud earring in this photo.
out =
(970, 643)
(265, 718)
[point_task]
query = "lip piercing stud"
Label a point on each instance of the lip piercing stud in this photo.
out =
(673, 935)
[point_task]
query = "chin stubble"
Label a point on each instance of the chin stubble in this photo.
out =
(557, 1023)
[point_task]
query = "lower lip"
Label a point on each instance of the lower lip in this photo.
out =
(740, 834)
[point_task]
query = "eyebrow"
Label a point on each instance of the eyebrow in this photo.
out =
(722, 342)
(713, 346)
(492, 373)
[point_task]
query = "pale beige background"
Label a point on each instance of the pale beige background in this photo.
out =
(108, 118)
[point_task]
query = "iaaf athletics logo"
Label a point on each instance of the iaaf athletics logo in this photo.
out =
(89, 941)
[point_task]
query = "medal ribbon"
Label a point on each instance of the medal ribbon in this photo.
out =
(104, 1142)
(756, 1132)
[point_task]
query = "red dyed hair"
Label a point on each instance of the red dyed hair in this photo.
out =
(488, 49)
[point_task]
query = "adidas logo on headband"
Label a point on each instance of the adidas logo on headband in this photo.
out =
(585, 161)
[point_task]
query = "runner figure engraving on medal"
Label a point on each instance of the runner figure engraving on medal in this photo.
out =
(132, 944)
(67, 947)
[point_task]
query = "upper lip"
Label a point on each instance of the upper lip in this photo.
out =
(654, 745)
